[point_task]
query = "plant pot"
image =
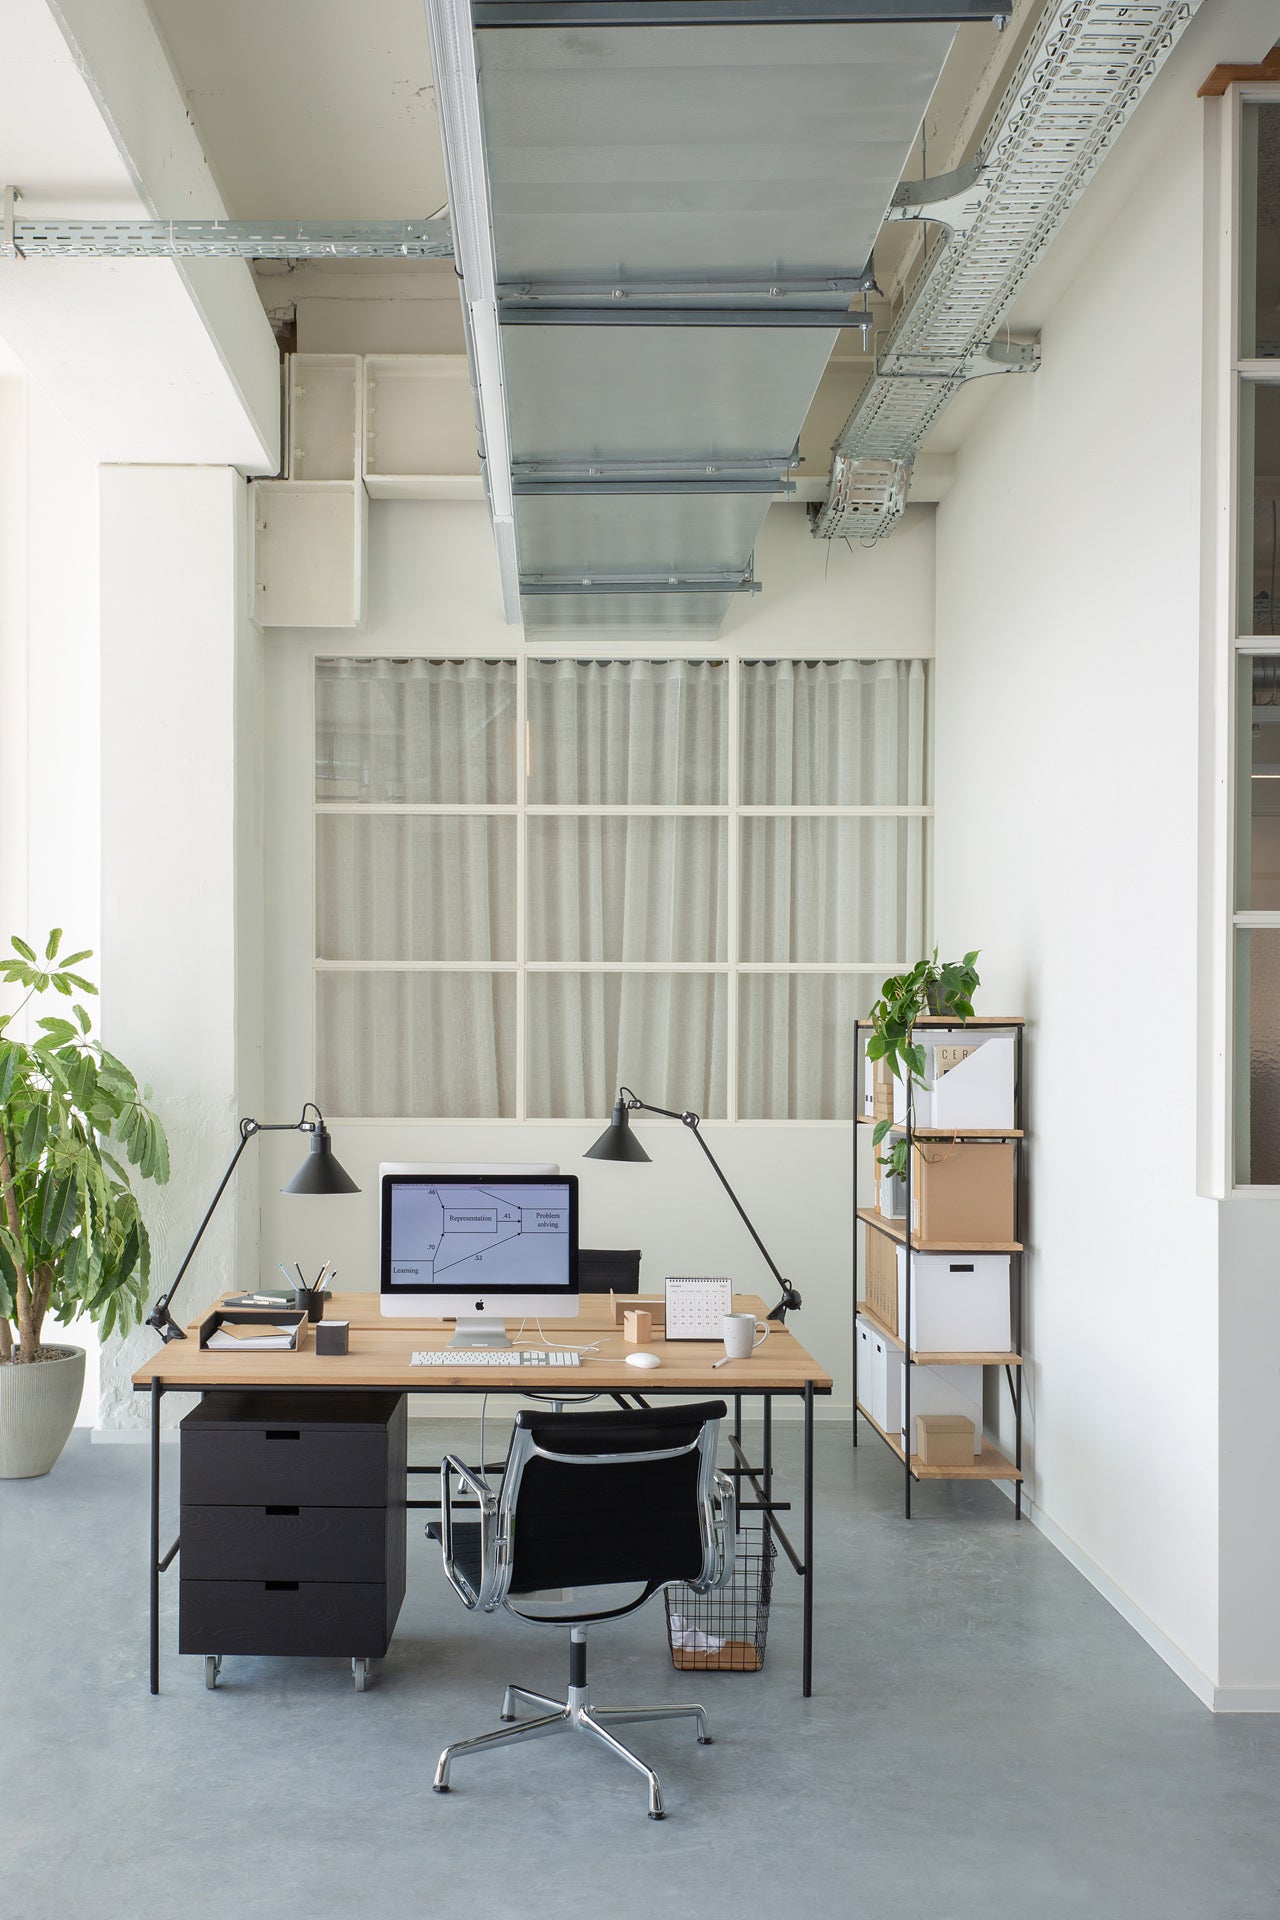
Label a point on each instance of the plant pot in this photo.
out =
(38, 1408)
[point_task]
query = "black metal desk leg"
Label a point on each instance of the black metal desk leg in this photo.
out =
(807, 1668)
(156, 1392)
(767, 1411)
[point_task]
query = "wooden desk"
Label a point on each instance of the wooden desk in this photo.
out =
(379, 1357)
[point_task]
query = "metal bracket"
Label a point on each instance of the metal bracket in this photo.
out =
(9, 200)
(997, 356)
(668, 293)
(518, 313)
(430, 239)
(951, 199)
(546, 583)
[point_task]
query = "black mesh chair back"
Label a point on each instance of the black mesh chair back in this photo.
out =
(592, 1516)
(608, 1269)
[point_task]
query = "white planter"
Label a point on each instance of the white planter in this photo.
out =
(38, 1407)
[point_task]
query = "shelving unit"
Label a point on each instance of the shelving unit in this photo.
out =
(989, 1463)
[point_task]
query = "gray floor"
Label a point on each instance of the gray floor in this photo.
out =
(984, 1732)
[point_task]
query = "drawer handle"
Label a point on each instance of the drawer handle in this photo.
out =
(283, 1433)
(956, 1267)
(282, 1513)
(280, 1586)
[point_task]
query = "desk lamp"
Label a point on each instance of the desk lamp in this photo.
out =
(617, 1142)
(320, 1172)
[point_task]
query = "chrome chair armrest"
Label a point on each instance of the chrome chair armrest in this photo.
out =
(482, 1595)
(724, 1528)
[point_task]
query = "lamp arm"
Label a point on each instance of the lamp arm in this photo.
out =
(790, 1300)
(159, 1316)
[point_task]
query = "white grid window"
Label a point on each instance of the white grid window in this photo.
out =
(537, 878)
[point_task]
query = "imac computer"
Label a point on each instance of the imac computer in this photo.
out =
(477, 1245)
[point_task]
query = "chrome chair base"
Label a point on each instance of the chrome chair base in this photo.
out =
(576, 1714)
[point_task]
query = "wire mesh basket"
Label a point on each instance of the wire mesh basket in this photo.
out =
(725, 1631)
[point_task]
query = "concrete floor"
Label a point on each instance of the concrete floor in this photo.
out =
(985, 1733)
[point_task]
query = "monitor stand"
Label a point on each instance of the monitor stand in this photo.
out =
(480, 1333)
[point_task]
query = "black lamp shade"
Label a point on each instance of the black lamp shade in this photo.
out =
(321, 1171)
(617, 1142)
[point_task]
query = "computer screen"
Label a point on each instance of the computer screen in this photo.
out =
(478, 1247)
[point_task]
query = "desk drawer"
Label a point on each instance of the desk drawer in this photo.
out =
(343, 1618)
(285, 1543)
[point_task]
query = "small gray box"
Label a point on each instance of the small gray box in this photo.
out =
(332, 1336)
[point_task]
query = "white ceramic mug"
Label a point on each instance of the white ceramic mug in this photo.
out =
(743, 1333)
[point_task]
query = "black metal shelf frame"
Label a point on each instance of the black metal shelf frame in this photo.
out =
(1013, 1375)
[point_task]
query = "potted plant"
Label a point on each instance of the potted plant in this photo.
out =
(934, 987)
(72, 1236)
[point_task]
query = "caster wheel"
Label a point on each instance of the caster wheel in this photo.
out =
(706, 1740)
(360, 1673)
(443, 1789)
(212, 1668)
(657, 1816)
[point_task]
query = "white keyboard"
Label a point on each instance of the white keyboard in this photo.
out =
(497, 1357)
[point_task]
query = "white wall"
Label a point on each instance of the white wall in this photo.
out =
(1066, 781)
(433, 583)
(49, 868)
(173, 635)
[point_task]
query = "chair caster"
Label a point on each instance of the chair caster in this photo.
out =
(438, 1789)
(706, 1740)
(656, 1816)
(212, 1668)
(508, 1717)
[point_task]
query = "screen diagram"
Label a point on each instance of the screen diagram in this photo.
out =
(483, 1233)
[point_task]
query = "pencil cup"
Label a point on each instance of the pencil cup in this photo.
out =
(742, 1334)
(310, 1301)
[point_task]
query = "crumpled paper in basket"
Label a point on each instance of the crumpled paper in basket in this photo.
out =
(691, 1639)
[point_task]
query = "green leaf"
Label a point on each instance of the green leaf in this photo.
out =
(76, 980)
(10, 1054)
(82, 1017)
(54, 942)
(59, 1031)
(879, 1131)
(28, 953)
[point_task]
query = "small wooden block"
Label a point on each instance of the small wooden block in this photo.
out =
(637, 1327)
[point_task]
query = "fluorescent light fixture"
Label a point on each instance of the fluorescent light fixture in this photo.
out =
(453, 55)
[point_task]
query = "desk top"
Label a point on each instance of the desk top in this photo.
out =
(380, 1349)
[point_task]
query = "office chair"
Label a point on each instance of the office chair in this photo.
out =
(597, 1513)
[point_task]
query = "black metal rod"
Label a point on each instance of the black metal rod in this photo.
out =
(156, 1391)
(762, 1505)
(768, 1453)
(1018, 1234)
(169, 1558)
(807, 1656)
(790, 1298)
(905, 1330)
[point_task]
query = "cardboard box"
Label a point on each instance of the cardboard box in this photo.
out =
(946, 1440)
(881, 1278)
(963, 1192)
(960, 1302)
(953, 1390)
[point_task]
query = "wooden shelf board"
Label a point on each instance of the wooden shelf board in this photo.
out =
(949, 1133)
(924, 1359)
(897, 1230)
(987, 1465)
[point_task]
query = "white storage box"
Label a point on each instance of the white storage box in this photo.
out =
(977, 1091)
(960, 1302)
(879, 1377)
(938, 1390)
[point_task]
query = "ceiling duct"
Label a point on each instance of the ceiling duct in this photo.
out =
(664, 213)
(1083, 73)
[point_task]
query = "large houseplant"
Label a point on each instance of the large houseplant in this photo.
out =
(932, 986)
(72, 1236)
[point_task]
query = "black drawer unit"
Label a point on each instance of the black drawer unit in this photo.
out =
(293, 1525)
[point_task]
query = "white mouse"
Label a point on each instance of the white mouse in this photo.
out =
(643, 1359)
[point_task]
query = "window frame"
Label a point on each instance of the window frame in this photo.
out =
(1229, 374)
(522, 809)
